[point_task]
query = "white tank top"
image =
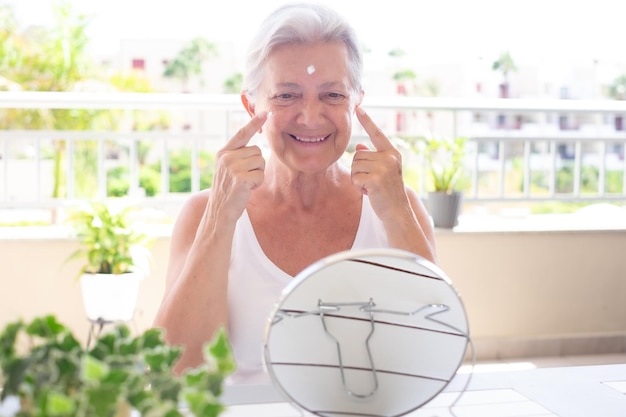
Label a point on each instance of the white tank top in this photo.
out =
(255, 284)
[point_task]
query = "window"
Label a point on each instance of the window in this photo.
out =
(139, 64)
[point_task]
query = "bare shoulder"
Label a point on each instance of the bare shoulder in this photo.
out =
(191, 213)
(184, 233)
(196, 202)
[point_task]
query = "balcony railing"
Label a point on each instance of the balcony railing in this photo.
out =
(520, 150)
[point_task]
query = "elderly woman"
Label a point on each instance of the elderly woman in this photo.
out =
(236, 246)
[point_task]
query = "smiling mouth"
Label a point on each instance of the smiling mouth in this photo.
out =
(310, 139)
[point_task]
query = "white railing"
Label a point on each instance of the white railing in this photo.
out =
(520, 148)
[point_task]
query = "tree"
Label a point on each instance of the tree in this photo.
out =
(506, 65)
(396, 53)
(57, 59)
(233, 84)
(617, 89)
(403, 77)
(190, 61)
(44, 59)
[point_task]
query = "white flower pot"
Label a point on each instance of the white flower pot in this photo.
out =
(110, 297)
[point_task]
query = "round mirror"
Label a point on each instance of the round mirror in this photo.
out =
(368, 332)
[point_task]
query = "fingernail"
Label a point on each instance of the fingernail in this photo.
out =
(360, 110)
(270, 114)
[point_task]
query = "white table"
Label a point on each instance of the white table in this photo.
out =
(577, 391)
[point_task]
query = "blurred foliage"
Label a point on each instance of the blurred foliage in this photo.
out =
(617, 89)
(233, 84)
(180, 170)
(57, 59)
(190, 61)
(118, 178)
(56, 376)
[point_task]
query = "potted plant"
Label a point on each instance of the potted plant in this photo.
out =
(445, 158)
(115, 259)
(45, 372)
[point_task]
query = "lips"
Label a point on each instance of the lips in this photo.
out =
(310, 139)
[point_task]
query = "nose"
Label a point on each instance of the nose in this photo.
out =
(311, 112)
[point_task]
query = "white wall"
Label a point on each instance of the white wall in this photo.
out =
(35, 280)
(540, 293)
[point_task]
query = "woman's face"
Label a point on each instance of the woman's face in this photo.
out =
(308, 92)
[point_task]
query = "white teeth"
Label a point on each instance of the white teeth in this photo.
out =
(298, 138)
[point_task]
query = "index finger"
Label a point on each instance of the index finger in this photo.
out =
(243, 135)
(378, 138)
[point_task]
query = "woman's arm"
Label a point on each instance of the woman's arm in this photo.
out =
(378, 173)
(195, 303)
(195, 300)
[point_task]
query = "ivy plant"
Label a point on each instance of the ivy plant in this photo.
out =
(46, 372)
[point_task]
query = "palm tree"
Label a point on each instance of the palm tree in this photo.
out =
(190, 61)
(506, 65)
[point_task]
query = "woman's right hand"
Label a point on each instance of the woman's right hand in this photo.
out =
(239, 169)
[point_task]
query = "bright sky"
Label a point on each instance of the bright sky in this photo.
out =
(429, 30)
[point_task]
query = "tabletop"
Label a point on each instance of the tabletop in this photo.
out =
(575, 391)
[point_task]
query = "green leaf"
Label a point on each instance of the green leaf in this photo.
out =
(165, 387)
(68, 365)
(220, 349)
(215, 382)
(14, 371)
(196, 378)
(58, 404)
(152, 338)
(7, 340)
(174, 413)
(123, 331)
(157, 359)
(116, 376)
(45, 327)
(129, 347)
(202, 403)
(69, 343)
(92, 369)
(103, 400)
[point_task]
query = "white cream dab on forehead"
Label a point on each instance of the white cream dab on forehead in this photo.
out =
(310, 69)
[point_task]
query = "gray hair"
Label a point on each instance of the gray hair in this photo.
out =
(300, 23)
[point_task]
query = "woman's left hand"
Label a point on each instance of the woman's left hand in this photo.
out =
(378, 173)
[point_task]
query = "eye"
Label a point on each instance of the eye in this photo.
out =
(284, 98)
(334, 97)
